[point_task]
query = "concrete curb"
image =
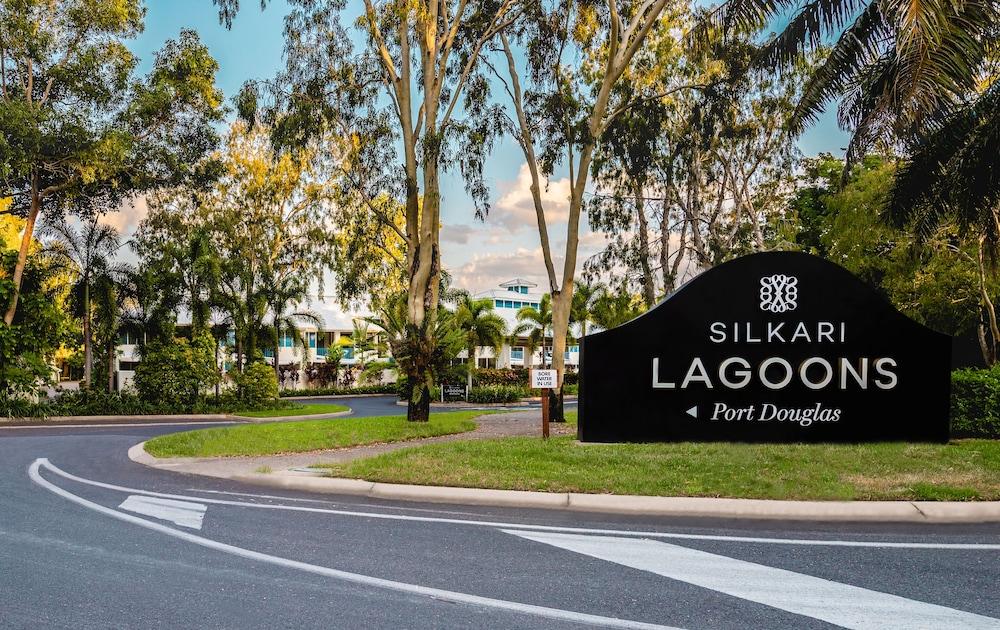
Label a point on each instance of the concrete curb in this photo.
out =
(844, 511)
(55, 421)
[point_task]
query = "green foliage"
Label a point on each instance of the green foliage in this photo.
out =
(384, 388)
(28, 346)
(511, 377)
(175, 374)
(496, 394)
(935, 281)
(255, 385)
(975, 403)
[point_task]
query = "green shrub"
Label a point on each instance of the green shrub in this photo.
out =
(384, 388)
(975, 403)
(255, 385)
(176, 373)
(571, 389)
(496, 394)
(512, 376)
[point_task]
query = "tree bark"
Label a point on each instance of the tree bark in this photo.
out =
(648, 282)
(989, 346)
(88, 342)
(22, 254)
(111, 364)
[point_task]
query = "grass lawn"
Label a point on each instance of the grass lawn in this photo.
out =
(294, 410)
(305, 435)
(962, 470)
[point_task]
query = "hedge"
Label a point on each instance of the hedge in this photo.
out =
(384, 388)
(975, 403)
(496, 394)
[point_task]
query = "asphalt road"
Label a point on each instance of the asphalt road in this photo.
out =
(87, 540)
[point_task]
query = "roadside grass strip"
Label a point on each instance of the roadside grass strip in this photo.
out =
(306, 435)
(294, 410)
(959, 471)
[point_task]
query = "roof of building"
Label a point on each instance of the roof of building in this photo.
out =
(518, 282)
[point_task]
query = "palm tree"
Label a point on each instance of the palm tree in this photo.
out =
(280, 295)
(897, 66)
(448, 342)
(585, 294)
(88, 251)
(534, 325)
(480, 326)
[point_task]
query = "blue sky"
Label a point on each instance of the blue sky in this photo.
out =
(478, 254)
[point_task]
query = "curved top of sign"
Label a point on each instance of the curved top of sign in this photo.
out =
(778, 284)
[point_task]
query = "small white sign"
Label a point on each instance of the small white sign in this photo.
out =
(543, 379)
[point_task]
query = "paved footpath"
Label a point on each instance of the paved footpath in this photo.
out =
(518, 423)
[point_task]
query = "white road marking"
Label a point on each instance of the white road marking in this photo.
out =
(840, 604)
(877, 544)
(183, 513)
(356, 578)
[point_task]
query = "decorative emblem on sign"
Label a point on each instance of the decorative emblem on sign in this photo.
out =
(778, 293)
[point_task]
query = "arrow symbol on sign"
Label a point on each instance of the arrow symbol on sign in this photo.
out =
(693, 411)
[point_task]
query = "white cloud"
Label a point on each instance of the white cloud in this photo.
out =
(515, 209)
(457, 233)
(486, 271)
(128, 216)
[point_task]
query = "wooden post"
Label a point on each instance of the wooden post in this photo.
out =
(545, 413)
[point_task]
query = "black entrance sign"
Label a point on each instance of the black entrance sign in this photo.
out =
(453, 392)
(772, 347)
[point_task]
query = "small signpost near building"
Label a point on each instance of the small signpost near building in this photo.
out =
(544, 380)
(453, 392)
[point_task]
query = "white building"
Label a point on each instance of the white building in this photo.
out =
(338, 327)
(508, 298)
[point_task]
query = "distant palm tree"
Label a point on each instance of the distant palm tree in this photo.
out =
(585, 295)
(88, 251)
(283, 295)
(534, 325)
(480, 326)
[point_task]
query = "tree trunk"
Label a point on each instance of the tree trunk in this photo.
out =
(562, 302)
(277, 349)
(111, 364)
(218, 380)
(88, 342)
(990, 350)
(648, 282)
(22, 253)
(422, 298)
(471, 367)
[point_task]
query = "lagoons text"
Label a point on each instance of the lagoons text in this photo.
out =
(776, 372)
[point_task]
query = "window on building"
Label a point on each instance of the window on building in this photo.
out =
(286, 340)
(517, 353)
(508, 303)
(487, 362)
(517, 304)
(499, 303)
(312, 339)
(524, 290)
(127, 366)
(574, 348)
(128, 338)
(534, 305)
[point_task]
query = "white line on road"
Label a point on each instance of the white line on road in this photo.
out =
(878, 544)
(356, 578)
(183, 513)
(840, 604)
